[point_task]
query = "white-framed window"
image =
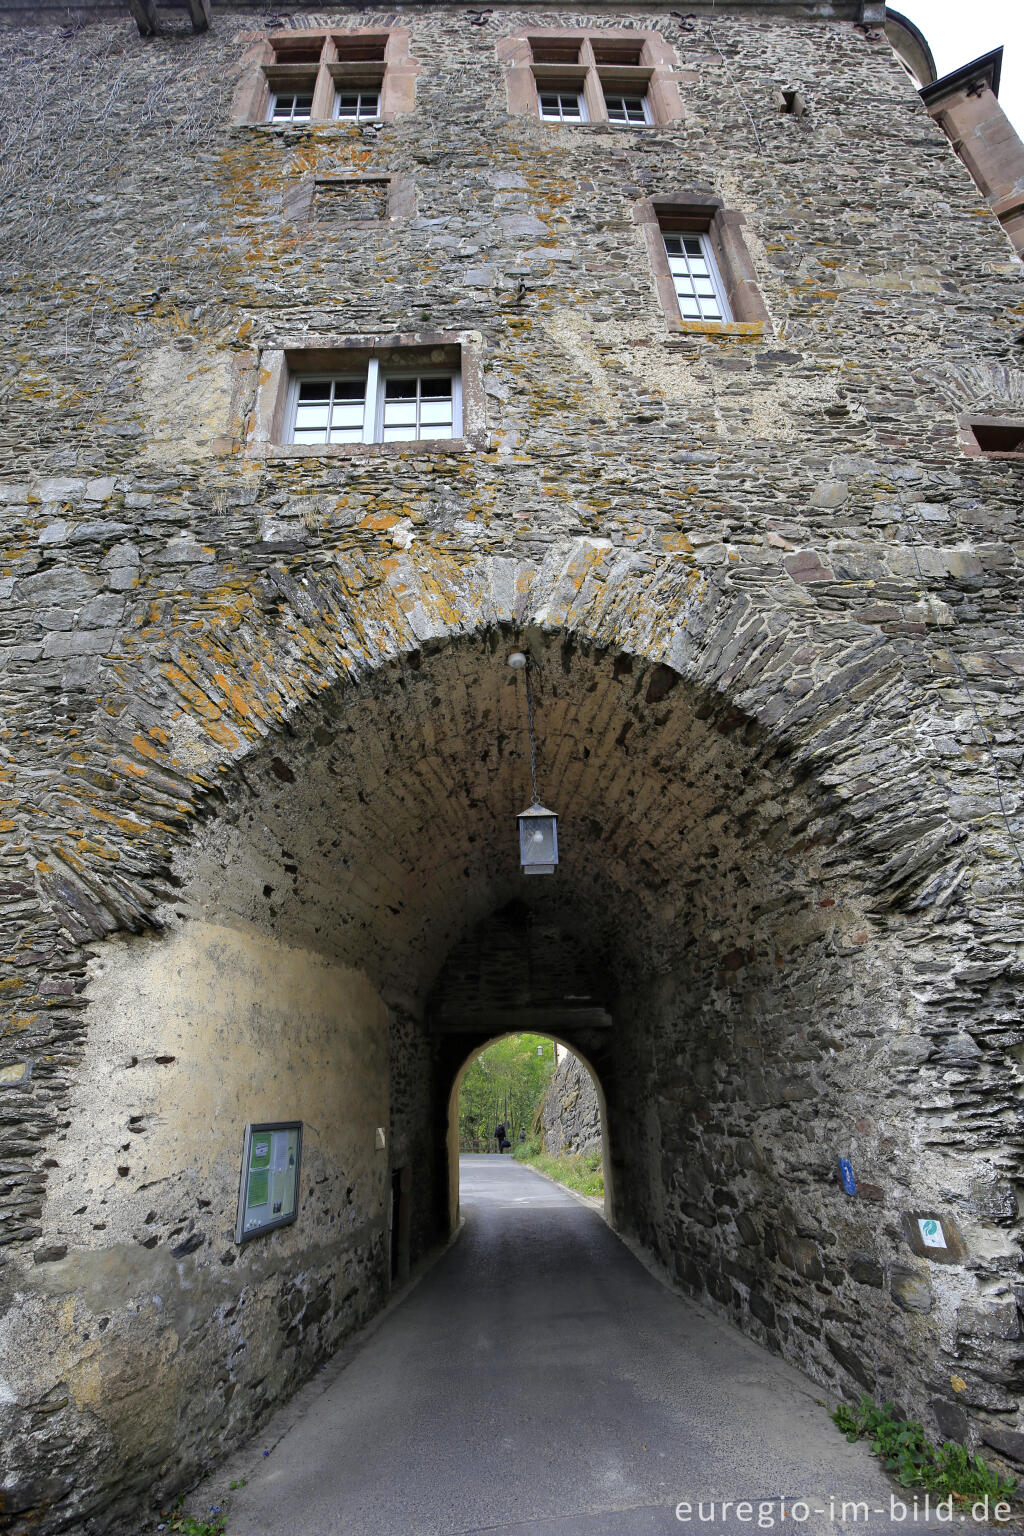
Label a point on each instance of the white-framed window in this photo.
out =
(356, 103)
(376, 405)
(627, 109)
(562, 106)
(697, 280)
(294, 106)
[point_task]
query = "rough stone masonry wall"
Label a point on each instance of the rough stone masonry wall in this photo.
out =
(209, 656)
(569, 1113)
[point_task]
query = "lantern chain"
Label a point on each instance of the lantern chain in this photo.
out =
(529, 722)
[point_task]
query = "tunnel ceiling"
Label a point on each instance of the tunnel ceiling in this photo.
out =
(384, 830)
(529, 966)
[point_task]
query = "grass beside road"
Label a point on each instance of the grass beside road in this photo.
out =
(583, 1173)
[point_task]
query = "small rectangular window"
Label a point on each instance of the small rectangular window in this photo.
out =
(357, 103)
(291, 106)
(626, 54)
(377, 405)
(360, 49)
(627, 109)
(698, 285)
(301, 51)
(562, 106)
(555, 50)
(793, 103)
(999, 439)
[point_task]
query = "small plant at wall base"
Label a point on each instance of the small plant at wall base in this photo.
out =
(911, 1457)
(186, 1525)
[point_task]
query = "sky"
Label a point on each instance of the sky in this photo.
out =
(959, 32)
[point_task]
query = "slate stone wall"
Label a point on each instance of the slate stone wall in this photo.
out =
(774, 615)
(569, 1113)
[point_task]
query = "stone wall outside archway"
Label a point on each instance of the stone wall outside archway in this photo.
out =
(750, 725)
(570, 1121)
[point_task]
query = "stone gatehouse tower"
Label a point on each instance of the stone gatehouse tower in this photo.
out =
(347, 351)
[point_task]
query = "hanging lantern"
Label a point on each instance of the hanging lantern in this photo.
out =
(538, 827)
(538, 841)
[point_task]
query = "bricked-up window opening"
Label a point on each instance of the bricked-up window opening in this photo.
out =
(562, 107)
(376, 406)
(291, 106)
(696, 278)
(350, 199)
(333, 76)
(627, 109)
(357, 105)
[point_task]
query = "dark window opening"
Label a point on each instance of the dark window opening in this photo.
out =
(626, 54)
(553, 51)
(998, 437)
(360, 49)
(792, 102)
(306, 52)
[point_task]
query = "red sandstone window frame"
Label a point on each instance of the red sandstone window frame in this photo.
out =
(280, 364)
(590, 62)
(328, 61)
(697, 213)
(973, 445)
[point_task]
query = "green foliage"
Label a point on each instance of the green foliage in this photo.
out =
(583, 1173)
(186, 1525)
(912, 1458)
(504, 1085)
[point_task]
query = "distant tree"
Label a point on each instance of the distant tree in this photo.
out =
(504, 1085)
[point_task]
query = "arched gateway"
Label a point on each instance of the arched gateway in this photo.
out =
(340, 361)
(750, 934)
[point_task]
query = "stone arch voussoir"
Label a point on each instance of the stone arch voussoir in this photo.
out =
(192, 714)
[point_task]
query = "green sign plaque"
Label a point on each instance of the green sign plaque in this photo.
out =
(269, 1193)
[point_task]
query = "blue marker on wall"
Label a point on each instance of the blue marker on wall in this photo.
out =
(846, 1174)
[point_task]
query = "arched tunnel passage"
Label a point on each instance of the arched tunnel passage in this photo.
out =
(353, 923)
(454, 1144)
(529, 967)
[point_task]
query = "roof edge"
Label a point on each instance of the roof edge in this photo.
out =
(985, 70)
(910, 43)
(865, 11)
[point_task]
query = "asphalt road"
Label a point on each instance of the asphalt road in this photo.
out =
(540, 1382)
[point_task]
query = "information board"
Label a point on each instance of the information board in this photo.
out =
(269, 1193)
